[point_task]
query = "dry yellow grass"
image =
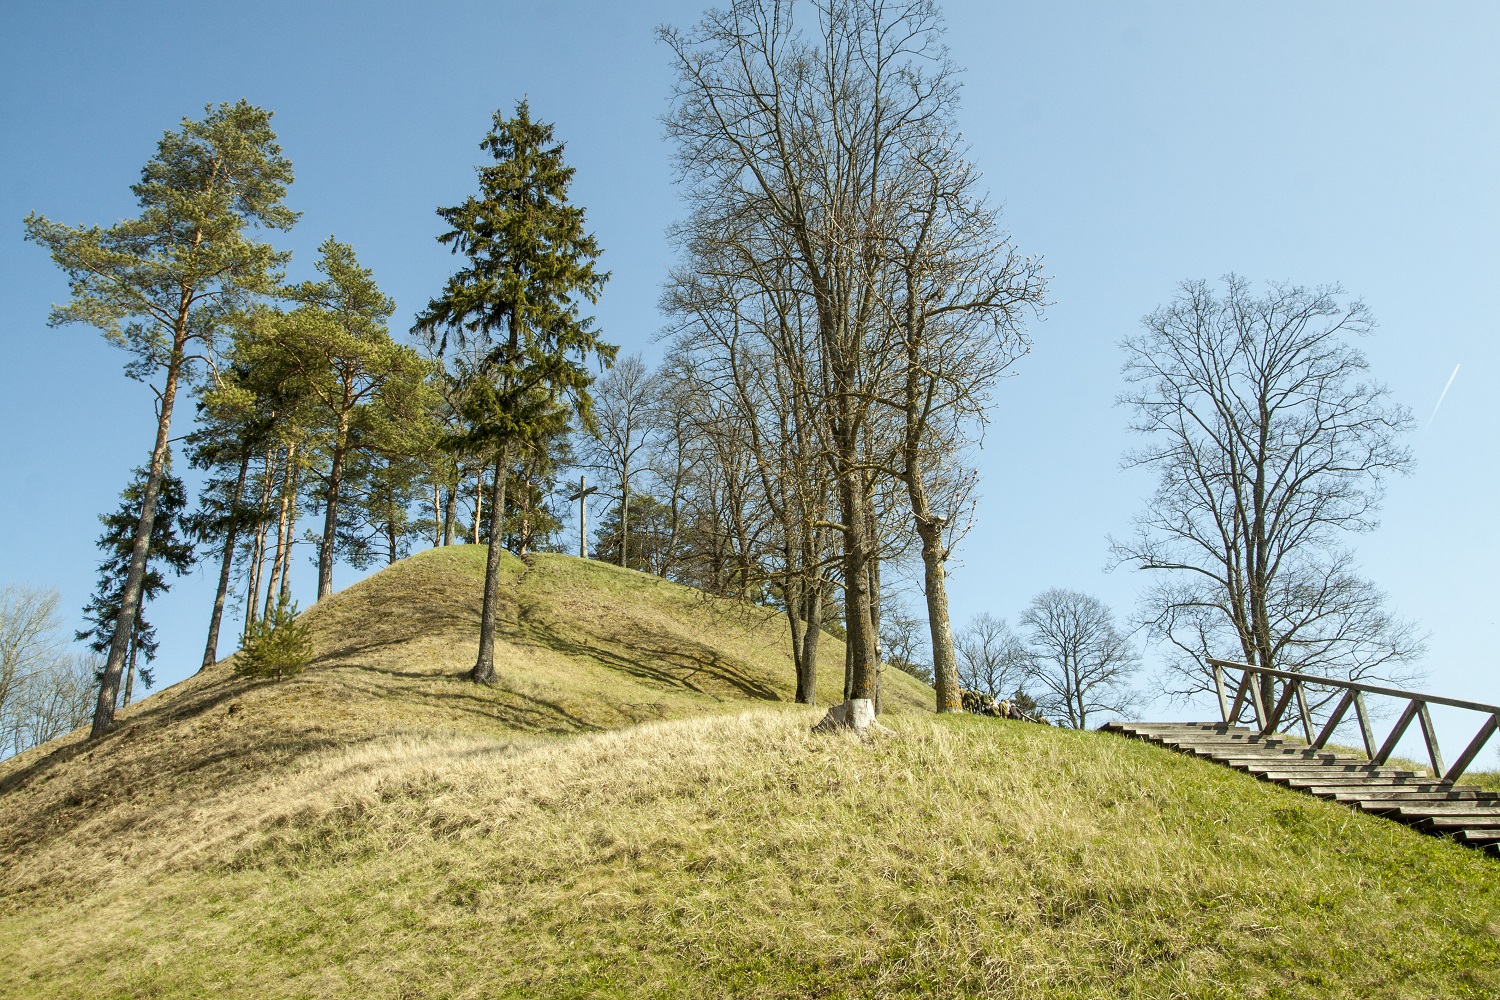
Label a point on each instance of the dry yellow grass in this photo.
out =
(378, 827)
(582, 647)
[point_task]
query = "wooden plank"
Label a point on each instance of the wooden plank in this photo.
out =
(1364, 724)
(1389, 746)
(1335, 719)
(1429, 736)
(1472, 750)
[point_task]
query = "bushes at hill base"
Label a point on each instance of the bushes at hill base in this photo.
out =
(277, 646)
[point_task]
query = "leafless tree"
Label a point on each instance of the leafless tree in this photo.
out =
(1082, 664)
(788, 137)
(958, 292)
(30, 641)
(992, 659)
(1271, 444)
(745, 341)
(56, 699)
(625, 402)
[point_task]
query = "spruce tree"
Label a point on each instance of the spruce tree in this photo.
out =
(517, 300)
(161, 284)
(168, 550)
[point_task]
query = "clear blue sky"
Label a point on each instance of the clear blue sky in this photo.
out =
(1134, 145)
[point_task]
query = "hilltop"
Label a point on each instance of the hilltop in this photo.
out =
(637, 809)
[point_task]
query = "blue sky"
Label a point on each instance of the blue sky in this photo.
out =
(1133, 146)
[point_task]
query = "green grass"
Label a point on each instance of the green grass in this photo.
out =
(427, 850)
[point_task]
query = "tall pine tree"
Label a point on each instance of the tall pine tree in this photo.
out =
(161, 284)
(529, 263)
(338, 342)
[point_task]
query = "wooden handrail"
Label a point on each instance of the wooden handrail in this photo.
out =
(1268, 717)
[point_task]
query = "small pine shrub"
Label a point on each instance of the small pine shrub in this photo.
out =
(277, 646)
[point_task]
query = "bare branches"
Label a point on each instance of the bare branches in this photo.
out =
(1080, 660)
(1271, 442)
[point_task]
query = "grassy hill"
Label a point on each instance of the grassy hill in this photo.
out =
(637, 810)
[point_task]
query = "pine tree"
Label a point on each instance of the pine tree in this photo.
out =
(517, 300)
(163, 282)
(338, 342)
(168, 550)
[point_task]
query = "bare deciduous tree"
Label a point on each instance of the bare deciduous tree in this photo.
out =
(789, 136)
(55, 700)
(958, 291)
(1271, 442)
(29, 638)
(625, 403)
(1082, 663)
(992, 659)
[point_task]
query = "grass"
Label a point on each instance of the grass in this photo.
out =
(406, 841)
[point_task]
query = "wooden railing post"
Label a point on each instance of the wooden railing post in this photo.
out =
(1472, 750)
(1257, 685)
(1407, 714)
(1302, 711)
(1335, 719)
(1364, 724)
(1429, 736)
(1256, 702)
(1281, 706)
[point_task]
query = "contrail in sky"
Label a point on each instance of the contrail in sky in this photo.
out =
(1444, 394)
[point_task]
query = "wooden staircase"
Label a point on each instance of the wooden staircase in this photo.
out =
(1435, 806)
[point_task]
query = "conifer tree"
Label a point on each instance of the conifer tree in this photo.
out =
(161, 284)
(338, 342)
(529, 263)
(168, 550)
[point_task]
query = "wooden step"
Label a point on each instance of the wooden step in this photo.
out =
(1467, 814)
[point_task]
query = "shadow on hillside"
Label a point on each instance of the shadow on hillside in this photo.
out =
(212, 695)
(512, 709)
(696, 668)
(133, 766)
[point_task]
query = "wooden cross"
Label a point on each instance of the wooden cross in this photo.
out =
(583, 518)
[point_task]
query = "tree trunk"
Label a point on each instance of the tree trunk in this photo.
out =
(450, 513)
(807, 661)
(484, 666)
(390, 535)
(274, 577)
(478, 502)
(792, 598)
(624, 513)
(226, 562)
(291, 527)
(331, 510)
(944, 660)
(130, 597)
(135, 648)
(934, 558)
(258, 548)
(280, 563)
(857, 608)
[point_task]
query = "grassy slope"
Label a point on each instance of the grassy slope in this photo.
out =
(379, 827)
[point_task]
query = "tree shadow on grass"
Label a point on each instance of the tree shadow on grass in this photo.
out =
(695, 668)
(516, 711)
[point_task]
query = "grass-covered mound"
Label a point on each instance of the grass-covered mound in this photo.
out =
(582, 646)
(743, 856)
(379, 827)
